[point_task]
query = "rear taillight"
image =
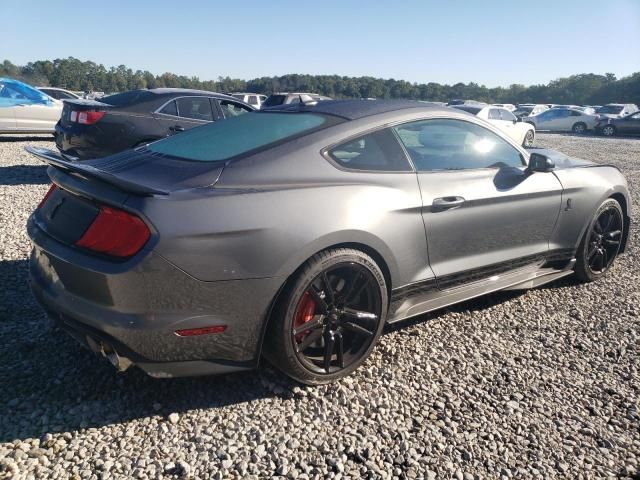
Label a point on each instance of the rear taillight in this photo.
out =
(52, 189)
(85, 118)
(89, 118)
(115, 232)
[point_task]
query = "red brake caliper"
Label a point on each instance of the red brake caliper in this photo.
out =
(305, 312)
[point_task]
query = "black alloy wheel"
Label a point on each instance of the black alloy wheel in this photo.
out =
(329, 317)
(601, 242)
(337, 318)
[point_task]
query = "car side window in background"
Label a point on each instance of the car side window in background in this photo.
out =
(232, 109)
(252, 100)
(507, 115)
(455, 145)
(197, 108)
(170, 109)
(494, 114)
(378, 151)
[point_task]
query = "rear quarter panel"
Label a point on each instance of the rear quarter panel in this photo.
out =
(271, 212)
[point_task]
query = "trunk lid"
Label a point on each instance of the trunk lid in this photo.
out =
(137, 171)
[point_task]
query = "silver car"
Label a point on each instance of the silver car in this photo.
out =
(560, 119)
(298, 233)
(24, 109)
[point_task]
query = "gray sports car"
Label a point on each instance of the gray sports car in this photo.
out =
(298, 232)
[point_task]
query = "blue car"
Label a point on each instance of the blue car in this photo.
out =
(24, 109)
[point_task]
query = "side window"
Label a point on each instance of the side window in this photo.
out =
(252, 100)
(197, 108)
(379, 151)
(232, 109)
(507, 115)
(563, 113)
(575, 114)
(494, 114)
(455, 145)
(170, 109)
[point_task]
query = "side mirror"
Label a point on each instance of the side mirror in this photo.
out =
(540, 163)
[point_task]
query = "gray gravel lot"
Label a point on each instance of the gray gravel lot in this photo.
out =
(541, 384)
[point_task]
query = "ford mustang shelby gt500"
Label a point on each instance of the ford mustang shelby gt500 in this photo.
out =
(297, 232)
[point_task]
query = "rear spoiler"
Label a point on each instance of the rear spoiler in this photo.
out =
(57, 161)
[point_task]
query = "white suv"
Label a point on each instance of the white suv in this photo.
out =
(253, 99)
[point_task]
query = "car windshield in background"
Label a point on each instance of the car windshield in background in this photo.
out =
(274, 100)
(609, 109)
(468, 109)
(127, 98)
(220, 141)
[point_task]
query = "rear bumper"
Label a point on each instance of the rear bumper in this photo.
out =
(135, 309)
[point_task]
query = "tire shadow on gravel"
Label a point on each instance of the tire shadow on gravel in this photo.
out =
(24, 175)
(49, 383)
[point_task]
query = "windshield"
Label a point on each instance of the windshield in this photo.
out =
(610, 109)
(222, 140)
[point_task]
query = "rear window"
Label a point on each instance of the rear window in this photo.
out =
(220, 141)
(274, 100)
(615, 109)
(127, 98)
(471, 110)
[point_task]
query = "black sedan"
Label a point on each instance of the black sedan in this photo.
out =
(628, 125)
(91, 129)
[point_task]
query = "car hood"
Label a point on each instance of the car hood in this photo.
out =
(561, 160)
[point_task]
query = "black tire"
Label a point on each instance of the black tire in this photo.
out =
(601, 242)
(609, 131)
(529, 139)
(579, 128)
(284, 342)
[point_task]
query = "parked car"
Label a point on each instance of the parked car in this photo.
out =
(522, 133)
(58, 93)
(563, 120)
(457, 101)
(92, 129)
(629, 124)
(299, 232)
(253, 99)
(525, 110)
(509, 106)
(24, 109)
(617, 110)
(285, 98)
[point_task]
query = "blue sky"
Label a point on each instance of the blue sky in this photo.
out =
(491, 42)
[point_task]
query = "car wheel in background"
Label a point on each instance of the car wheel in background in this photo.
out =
(329, 317)
(579, 128)
(601, 242)
(528, 139)
(608, 130)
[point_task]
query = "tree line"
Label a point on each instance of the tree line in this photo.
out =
(74, 74)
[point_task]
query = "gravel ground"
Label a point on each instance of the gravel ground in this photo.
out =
(541, 384)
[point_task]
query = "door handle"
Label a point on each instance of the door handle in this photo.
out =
(176, 128)
(447, 203)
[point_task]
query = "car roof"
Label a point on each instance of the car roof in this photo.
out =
(353, 109)
(187, 91)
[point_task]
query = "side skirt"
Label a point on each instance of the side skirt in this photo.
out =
(529, 272)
